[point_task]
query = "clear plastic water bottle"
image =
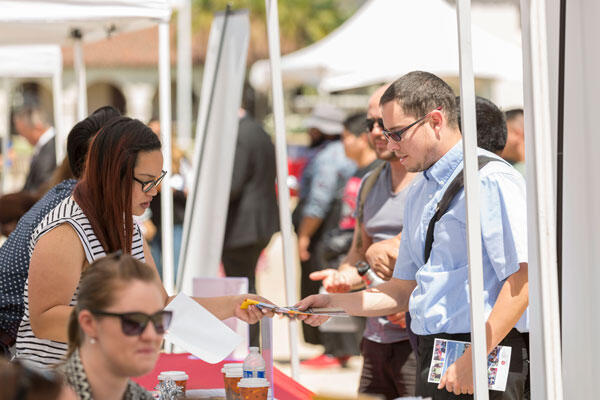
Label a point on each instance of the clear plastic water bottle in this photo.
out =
(368, 275)
(254, 364)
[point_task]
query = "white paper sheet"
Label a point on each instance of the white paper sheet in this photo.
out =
(198, 331)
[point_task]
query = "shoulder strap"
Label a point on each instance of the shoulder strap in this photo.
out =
(442, 206)
(362, 198)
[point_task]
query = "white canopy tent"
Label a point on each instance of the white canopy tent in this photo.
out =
(361, 51)
(68, 22)
(43, 61)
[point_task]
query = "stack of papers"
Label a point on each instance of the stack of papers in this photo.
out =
(293, 311)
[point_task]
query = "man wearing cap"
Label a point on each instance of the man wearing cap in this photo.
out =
(322, 181)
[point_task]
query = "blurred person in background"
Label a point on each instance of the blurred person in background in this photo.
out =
(31, 122)
(252, 214)
(491, 125)
(389, 366)
(14, 254)
(116, 329)
(514, 151)
(21, 382)
(318, 210)
(122, 173)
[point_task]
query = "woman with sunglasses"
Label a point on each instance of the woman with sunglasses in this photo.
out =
(121, 176)
(115, 330)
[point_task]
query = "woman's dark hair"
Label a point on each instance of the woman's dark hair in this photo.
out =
(104, 191)
(99, 284)
(18, 381)
(79, 138)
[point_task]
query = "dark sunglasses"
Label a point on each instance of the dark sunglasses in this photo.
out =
(134, 323)
(371, 123)
(148, 185)
(396, 136)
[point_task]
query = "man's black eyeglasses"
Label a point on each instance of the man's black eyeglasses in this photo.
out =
(396, 136)
(148, 185)
(134, 323)
(371, 123)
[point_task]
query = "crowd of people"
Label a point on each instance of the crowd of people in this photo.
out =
(81, 299)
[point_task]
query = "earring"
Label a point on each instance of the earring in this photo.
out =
(92, 340)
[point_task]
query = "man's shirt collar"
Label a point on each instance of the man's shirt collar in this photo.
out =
(443, 169)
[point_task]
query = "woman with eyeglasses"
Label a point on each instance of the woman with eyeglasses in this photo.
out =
(115, 330)
(122, 173)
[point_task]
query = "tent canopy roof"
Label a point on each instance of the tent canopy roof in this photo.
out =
(30, 61)
(54, 21)
(385, 39)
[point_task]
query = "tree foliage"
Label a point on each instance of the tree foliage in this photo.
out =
(301, 22)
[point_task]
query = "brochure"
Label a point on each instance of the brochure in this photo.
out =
(446, 352)
(293, 311)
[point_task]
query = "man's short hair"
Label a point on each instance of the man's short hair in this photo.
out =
(421, 92)
(356, 123)
(32, 114)
(491, 125)
(80, 136)
(513, 113)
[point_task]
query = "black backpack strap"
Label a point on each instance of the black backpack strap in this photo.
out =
(454, 187)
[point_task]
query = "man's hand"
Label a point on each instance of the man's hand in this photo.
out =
(303, 243)
(398, 319)
(252, 314)
(334, 281)
(458, 378)
(381, 256)
(316, 301)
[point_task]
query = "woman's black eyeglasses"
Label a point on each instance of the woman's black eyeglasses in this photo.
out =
(149, 184)
(371, 123)
(396, 136)
(134, 323)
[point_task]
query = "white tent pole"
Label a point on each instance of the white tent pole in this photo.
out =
(184, 75)
(5, 132)
(57, 98)
(545, 340)
(282, 175)
(469, 133)
(164, 72)
(79, 66)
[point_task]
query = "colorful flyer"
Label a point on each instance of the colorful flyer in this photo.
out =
(446, 352)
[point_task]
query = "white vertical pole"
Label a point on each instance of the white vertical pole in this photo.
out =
(545, 341)
(282, 175)
(5, 131)
(59, 127)
(164, 89)
(469, 133)
(79, 67)
(184, 75)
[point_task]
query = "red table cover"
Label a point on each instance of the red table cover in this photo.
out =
(203, 375)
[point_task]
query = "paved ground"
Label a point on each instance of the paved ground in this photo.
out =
(338, 382)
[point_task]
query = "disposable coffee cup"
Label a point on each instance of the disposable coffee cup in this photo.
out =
(232, 373)
(254, 388)
(179, 377)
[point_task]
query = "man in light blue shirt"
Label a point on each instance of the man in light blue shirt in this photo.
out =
(419, 115)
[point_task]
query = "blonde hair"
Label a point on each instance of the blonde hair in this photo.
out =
(98, 286)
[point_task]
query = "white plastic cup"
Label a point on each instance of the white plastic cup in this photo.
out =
(254, 388)
(232, 373)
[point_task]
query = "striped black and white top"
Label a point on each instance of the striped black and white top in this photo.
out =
(45, 353)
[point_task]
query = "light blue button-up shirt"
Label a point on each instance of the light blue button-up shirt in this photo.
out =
(440, 302)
